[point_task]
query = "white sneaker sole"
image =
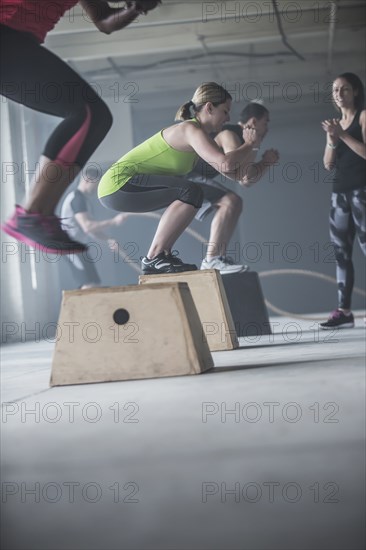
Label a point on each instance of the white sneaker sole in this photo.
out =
(227, 271)
(344, 325)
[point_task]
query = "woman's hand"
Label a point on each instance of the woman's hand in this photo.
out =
(109, 19)
(334, 130)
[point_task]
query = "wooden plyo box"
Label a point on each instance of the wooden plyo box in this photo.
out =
(210, 298)
(131, 332)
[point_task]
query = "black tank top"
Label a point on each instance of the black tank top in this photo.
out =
(204, 169)
(350, 173)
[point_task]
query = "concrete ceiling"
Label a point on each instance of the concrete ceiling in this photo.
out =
(236, 42)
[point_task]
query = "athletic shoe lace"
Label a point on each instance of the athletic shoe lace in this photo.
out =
(174, 257)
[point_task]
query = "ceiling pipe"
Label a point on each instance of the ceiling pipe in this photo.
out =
(282, 32)
(333, 10)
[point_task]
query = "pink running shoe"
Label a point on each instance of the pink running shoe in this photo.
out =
(42, 232)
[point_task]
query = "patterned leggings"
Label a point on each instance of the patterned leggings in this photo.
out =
(347, 218)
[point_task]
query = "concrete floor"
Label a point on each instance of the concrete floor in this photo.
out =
(264, 452)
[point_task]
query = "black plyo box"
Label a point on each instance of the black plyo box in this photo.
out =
(246, 301)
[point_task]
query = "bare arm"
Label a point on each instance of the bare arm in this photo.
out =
(330, 146)
(96, 228)
(253, 171)
(108, 19)
(231, 163)
(256, 171)
(227, 140)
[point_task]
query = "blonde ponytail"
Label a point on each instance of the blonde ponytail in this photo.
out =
(184, 111)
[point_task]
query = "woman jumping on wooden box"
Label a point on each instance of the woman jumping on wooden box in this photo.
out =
(149, 178)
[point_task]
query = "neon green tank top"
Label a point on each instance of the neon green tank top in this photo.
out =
(153, 156)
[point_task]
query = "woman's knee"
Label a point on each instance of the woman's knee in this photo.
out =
(233, 202)
(94, 115)
(236, 201)
(101, 117)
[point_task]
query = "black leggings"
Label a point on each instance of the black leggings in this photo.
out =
(347, 218)
(35, 77)
(145, 193)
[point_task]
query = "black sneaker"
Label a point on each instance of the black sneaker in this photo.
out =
(165, 263)
(177, 261)
(42, 232)
(338, 319)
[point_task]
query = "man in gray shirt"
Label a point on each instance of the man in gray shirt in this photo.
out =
(81, 226)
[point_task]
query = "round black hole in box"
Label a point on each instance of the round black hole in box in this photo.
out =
(121, 316)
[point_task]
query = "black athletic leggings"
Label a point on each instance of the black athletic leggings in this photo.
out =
(33, 76)
(148, 192)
